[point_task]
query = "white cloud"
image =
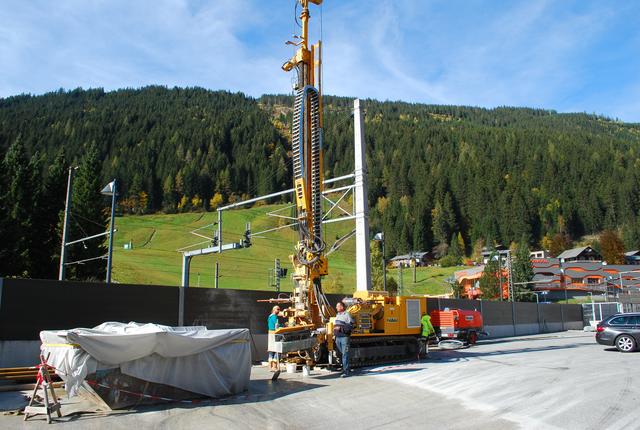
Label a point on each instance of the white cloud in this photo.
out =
(117, 44)
(474, 52)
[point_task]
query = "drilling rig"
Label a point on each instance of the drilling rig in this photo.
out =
(309, 309)
(386, 328)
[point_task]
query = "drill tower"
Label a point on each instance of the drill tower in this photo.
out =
(310, 307)
(386, 328)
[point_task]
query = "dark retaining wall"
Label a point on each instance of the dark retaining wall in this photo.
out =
(28, 306)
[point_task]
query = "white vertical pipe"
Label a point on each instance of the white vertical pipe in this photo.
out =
(65, 225)
(111, 231)
(363, 259)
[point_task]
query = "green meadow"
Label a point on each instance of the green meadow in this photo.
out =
(157, 240)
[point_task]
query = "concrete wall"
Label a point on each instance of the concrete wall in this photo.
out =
(19, 353)
(29, 306)
(502, 319)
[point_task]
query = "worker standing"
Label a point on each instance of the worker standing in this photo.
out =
(427, 332)
(342, 331)
(273, 323)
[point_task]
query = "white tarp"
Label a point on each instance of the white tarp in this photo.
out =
(210, 362)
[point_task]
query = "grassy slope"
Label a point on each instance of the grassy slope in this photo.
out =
(156, 238)
(154, 260)
(429, 280)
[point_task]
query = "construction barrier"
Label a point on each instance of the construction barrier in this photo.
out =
(28, 306)
(503, 318)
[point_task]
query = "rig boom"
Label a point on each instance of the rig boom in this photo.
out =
(310, 306)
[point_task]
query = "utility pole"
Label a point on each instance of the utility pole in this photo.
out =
(400, 280)
(111, 226)
(379, 237)
(276, 274)
(415, 264)
(384, 267)
(510, 278)
(500, 276)
(65, 226)
(215, 285)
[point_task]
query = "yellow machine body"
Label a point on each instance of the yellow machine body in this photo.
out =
(377, 315)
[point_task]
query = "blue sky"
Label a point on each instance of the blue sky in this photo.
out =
(581, 55)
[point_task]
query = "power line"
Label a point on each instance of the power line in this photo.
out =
(88, 220)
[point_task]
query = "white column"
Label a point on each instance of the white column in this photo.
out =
(363, 259)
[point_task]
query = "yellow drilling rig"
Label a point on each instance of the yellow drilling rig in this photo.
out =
(386, 328)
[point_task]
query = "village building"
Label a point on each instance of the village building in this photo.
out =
(407, 260)
(632, 257)
(558, 279)
(469, 279)
(499, 252)
(540, 254)
(584, 253)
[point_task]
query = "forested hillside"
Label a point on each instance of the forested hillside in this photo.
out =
(493, 175)
(168, 143)
(435, 172)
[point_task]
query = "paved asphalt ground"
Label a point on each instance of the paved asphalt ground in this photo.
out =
(555, 381)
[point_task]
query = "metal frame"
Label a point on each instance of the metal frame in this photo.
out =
(187, 255)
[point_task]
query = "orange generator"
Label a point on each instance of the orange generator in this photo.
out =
(457, 324)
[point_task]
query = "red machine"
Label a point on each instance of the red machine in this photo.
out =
(457, 324)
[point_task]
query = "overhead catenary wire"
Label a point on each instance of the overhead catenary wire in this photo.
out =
(88, 220)
(101, 257)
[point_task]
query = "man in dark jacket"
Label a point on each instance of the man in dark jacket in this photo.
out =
(342, 328)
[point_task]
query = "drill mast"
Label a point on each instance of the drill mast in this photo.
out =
(310, 307)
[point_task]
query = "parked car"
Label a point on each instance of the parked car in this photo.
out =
(621, 331)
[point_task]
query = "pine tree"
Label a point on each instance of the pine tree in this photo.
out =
(47, 220)
(6, 232)
(458, 290)
(631, 235)
(377, 269)
(88, 215)
(18, 199)
(36, 232)
(454, 247)
(462, 245)
(522, 272)
(443, 219)
(489, 281)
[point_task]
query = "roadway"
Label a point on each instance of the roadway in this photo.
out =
(554, 381)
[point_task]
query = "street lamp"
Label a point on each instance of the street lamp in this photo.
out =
(564, 283)
(380, 238)
(110, 190)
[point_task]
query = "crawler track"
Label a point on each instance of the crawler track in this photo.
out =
(368, 351)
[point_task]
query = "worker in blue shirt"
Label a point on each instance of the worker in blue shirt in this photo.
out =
(273, 323)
